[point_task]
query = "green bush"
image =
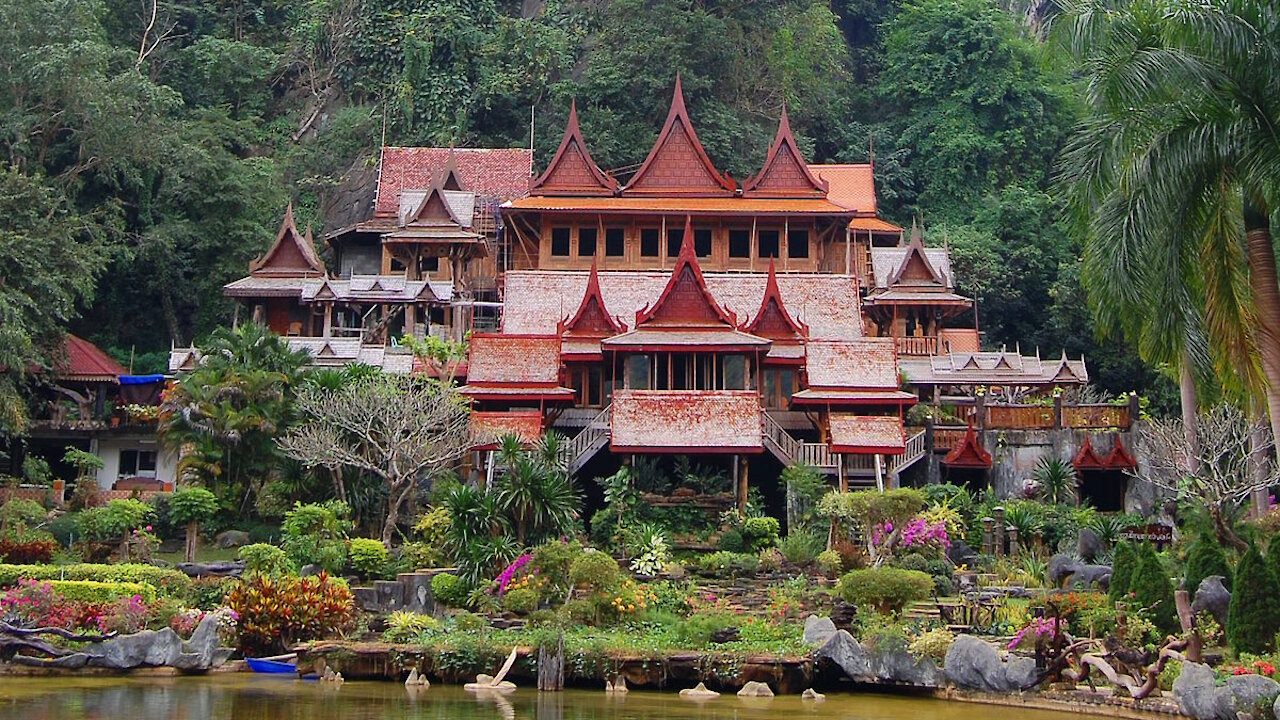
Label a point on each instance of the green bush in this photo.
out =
(551, 560)
(727, 563)
(468, 622)
(448, 590)
(92, 591)
(800, 547)
(1153, 590)
(368, 557)
(829, 562)
(520, 601)
(1123, 562)
(887, 589)
(731, 540)
(316, 534)
(405, 625)
(431, 530)
(111, 522)
(914, 561)
(65, 528)
(265, 559)
(1253, 616)
(594, 570)
(1206, 558)
(164, 580)
(21, 511)
(762, 531)
(207, 593)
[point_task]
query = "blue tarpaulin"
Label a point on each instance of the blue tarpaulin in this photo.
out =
(140, 379)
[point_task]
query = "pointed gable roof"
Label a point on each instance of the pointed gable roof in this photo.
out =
(784, 173)
(968, 452)
(1086, 458)
(291, 254)
(772, 319)
(592, 318)
(916, 268)
(677, 164)
(686, 301)
(1064, 373)
(448, 178)
(572, 171)
(1119, 458)
(434, 210)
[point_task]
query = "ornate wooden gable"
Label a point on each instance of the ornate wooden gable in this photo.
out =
(572, 171)
(291, 255)
(772, 319)
(784, 173)
(916, 268)
(592, 320)
(968, 453)
(1087, 459)
(1119, 458)
(435, 210)
(686, 301)
(677, 164)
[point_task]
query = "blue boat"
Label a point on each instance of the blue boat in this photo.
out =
(275, 667)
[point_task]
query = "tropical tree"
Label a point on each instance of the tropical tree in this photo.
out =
(1057, 480)
(535, 487)
(1174, 175)
(398, 428)
(191, 506)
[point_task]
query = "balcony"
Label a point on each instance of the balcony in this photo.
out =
(921, 345)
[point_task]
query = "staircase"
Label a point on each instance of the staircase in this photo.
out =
(789, 450)
(590, 441)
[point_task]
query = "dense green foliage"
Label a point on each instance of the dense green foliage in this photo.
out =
(1124, 561)
(1206, 558)
(887, 589)
(1253, 617)
(1153, 590)
(163, 155)
(164, 580)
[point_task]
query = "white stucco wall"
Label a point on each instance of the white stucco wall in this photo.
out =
(108, 448)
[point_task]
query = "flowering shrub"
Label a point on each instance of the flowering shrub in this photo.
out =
(185, 621)
(1257, 667)
(509, 572)
(274, 613)
(922, 531)
(1033, 631)
(37, 604)
(631, 597)
(123, 615)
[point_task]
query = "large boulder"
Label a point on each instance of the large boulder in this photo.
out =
(149, 647)
(1250, 693)
(202, 652)
(1212, 596)
(231, 538)
(1064, 570)
(846, 652)
(1088, 545)
(1199, 698)
(974, 664)
(901, 667)
(818, 630)
(959, 553)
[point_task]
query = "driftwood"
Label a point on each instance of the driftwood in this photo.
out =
(15, 639)
(222, 568)
(1102, 663)
(8, 629)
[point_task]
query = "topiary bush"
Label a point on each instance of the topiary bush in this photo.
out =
(92, 591)
(731, 540)
(448, 590)
(264, 559)
(316, 534)
(829, 563)
(21, 512)
(761, 532)
(1123, 561)
(1152, 589)
(887, 589)
(594, 570)
(914, 561)
(368, 557)
(1253, 618)
(520, 601)
(1205, 558)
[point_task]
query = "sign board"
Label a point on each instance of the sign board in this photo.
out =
(1154, 533)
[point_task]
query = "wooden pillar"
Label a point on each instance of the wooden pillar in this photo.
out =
(551, 666)
(879, 474)
(840, 474)
(328, 320)
(742, 482)
(1057, 411)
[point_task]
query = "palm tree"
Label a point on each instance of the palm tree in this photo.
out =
(1057, 480)
(1175, 172)
(535, 487)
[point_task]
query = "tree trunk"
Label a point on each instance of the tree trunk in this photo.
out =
(1190, 409)
(1222, 528)
(191, 542)
(1266, 301)
(394, 503)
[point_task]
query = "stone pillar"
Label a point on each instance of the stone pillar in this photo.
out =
(1013, 541)
(999, 536)
(1057, 411)
(980, 412)
(988, 536)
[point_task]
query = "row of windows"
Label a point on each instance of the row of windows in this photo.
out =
(767, 241)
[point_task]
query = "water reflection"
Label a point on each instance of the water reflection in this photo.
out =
(248, 697)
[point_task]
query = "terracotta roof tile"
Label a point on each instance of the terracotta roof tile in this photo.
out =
(960, 340)
(826, 396)
(695, 205)
(487, 427)
(537, 300)
(873, 224)
(967, 452)
(514, 360)
(885, 261)
(713, 422)
(85, 361)
(866, 434)
(869, 363)
(849, 186)
(498, 173)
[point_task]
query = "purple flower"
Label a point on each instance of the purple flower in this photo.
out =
(504, 577)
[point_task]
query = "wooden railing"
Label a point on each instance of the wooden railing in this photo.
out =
(916, 448)
(1096, 415)
(587, 443)
(1055, 416)
(816, 454)
(777, 439)
(1019, 416)
(925, 345)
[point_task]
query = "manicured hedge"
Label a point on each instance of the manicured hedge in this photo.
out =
(887, 589)
(164, 580)
(90, 591)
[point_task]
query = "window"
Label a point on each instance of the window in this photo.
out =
(649, 242)
(587, 384)
(777, 385)
(768, 240)
(638, 372)
(739, 244)
(735, 372)
(674, 238)
(586, 242)
(429, 265)
(137, 463)
(614, 242)
(560, 242)
(702, 242)
(798, 244)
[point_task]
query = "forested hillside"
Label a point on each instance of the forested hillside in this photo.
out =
(153, 145)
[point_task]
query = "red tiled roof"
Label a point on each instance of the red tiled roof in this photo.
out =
(572, 171)
(823, 396)
(537, 300)
(967, 453)
(82, 360)
(685, 301)
(648, 339)
(292, 254)
(488, 427)
(696, 205)
(772, 320)
(592, 319)
(866, 434)
(784, 173)
(868, 363)
(526, 360)
(1087, 459)
(873, 224)
(498, 173)
(686, 421)
(960, 340)
(677, 164)
(1119, 458)
(849, 186)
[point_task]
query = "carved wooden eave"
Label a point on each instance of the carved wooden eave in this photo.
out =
(686, 301)
(915, 264)
(572, 171)
(772, 319)
(1119, 458)
(677, 163)
(1086, 458)
(275, 262)
(592, 319)
(784, 174)
(968, 453)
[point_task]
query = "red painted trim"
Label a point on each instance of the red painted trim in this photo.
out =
(703, 449)
(678, 114)
(784, 140)
(771, 292)
(1086, 458)
(573, 137)
(869, 449)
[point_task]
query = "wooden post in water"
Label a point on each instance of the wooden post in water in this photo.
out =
(551, 666)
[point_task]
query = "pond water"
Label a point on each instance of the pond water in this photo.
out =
(249, 697)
